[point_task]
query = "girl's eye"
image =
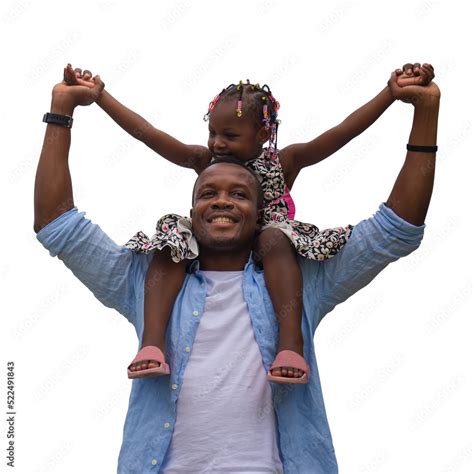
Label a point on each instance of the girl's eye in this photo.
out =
(206, 193)
(240, 194)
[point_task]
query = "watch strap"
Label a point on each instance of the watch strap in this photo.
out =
(422, 148)
(57, 119)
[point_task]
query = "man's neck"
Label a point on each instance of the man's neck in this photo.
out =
(223, 262)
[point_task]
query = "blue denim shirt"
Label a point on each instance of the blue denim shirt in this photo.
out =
(116, 276)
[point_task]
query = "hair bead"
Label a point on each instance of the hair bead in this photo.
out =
(239, 108)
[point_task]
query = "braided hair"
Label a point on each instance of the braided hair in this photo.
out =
(258, 102)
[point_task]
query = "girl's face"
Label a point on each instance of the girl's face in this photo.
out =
(230, 135)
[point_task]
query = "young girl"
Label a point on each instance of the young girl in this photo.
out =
(242, 119)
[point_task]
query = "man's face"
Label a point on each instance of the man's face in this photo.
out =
(225, 211)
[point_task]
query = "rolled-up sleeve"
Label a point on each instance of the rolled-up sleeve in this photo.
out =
(107, 269)
(373, 244)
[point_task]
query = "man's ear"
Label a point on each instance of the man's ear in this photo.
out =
(191, 213)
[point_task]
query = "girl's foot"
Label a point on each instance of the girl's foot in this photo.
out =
(143, 365)
(288, 371)
(149, 362)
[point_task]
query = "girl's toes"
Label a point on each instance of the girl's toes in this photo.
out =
(153, 364)
(276, 372)
(284, 371)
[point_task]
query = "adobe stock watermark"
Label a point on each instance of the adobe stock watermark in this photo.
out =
(358, 75)
(333, 18)
(378, 379)
(175, 14)
(58, 50)
(15, 12)
(439, 398)
(10, 414)
(213, 58)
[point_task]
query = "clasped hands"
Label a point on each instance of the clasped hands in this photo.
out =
(78, 88)
(412, 84)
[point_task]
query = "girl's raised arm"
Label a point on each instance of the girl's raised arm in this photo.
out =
(188, 156)
(296, 157)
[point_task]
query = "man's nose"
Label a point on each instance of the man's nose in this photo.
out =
(222, 201)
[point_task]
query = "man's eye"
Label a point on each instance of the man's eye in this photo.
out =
(240, 194)
(207, 193)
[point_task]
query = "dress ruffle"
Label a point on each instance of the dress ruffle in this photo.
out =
(172, 231)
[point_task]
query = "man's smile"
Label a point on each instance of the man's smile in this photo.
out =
(222, 219)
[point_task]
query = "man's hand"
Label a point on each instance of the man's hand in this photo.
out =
(413, 94)
(76, 89)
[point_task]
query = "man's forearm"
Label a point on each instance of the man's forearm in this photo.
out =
(53, 188)
(411, 193)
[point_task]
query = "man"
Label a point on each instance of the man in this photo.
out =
(217, 412)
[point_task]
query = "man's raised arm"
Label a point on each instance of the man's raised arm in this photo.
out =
(397, 228)
(107, 269)
(53, 187)
(411, 194)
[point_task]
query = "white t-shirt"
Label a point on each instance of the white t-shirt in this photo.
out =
(225, 418)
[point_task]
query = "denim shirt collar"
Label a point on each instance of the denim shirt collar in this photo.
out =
(250, 265)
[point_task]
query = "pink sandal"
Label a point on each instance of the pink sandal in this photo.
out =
(289, 359)
(149, 353)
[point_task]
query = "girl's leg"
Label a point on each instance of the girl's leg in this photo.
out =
(162, 284)
(285, 286)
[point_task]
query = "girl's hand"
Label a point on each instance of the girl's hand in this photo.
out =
(415, 75)
(413, 94)
(75, 90)
(77, 77)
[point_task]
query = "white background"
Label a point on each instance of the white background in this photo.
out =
(395, 360)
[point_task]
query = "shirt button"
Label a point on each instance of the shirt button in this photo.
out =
(166, 425)
(174, 386)
(154, 462)
(195, 313)
(187, 349)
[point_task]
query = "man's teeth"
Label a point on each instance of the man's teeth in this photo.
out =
(222, 220)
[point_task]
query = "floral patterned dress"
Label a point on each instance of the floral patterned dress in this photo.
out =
(175, 231)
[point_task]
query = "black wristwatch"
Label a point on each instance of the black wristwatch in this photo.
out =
(57, 119)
